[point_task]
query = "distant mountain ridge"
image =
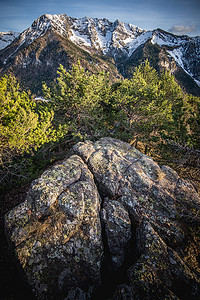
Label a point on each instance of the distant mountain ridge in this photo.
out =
(99, 44)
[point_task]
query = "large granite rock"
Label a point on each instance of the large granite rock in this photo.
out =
(56, 232)
(67, 239)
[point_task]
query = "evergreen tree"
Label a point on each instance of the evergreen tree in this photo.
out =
(23, 126)
(76, 97)
(153, 107)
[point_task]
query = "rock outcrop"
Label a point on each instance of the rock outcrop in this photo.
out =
(57, 230)
(108, 222)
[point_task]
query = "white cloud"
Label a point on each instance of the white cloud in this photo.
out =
(182, 29)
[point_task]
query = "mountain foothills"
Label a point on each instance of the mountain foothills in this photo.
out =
(35, 55)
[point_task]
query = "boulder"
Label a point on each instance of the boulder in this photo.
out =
(56, 232)
(108, 209)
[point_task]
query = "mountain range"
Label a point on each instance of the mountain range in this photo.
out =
(34, 55)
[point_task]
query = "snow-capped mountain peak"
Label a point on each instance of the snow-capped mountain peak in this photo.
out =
(102, 34)
(91, 33)
(40, 26)
(124, 42)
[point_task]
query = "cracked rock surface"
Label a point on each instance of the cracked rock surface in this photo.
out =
(108, 223)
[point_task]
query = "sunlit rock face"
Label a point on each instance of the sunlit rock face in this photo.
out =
(108, 222)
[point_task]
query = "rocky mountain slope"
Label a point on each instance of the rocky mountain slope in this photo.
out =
(99, 44)
(108, 223)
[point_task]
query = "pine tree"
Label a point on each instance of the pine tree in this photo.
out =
(153, 107)
(76, 97)
(23, 126)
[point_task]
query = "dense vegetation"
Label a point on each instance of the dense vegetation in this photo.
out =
(149, 110)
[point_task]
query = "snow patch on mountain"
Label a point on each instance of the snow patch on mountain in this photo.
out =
(138, 41)
(163, 38)
(58, 22)
(197, 82)
(102, 34)
(91, 33)
(37, 29)
(177, 54)
(185, 50)
(103, 42)
(79, 39)
(6, 38)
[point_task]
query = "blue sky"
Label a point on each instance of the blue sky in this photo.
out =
(176, 16)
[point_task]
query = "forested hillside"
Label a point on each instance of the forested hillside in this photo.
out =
(150, 111)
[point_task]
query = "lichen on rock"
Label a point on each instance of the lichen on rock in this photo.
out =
(56, 232)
